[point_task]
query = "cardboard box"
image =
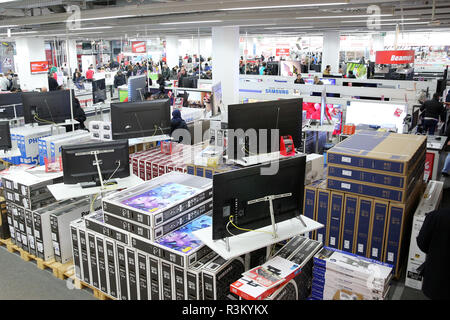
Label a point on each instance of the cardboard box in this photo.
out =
(378, 230)
(122, 268)
(194, 290)
(143, 275)
(430, 201)
(112, 267)
(350, 223)
(154, 272)
(323, 205)
(102, 266)
(310, 204)
(399, 230)
(335, 219)
(384, 152)
(365, 212)
(314, 168)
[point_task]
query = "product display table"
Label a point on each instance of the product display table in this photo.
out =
(251, 241)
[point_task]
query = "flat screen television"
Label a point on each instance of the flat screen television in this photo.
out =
(99, 91)
(140, 119)
(79, 163)
(9, 102)
(284, 115)
(46, 107)
(137, 86)
(233, 190)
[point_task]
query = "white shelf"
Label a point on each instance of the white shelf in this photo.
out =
(251, 241)
(63, 191)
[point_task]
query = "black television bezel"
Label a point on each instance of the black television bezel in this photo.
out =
(71, 161)
(116, 108)
(95, 90)
(5, 133)
(226, 184)
(27, 106)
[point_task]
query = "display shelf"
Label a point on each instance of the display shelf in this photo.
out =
(251, 241)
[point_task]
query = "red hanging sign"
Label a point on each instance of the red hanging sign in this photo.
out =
(394, 57)
(39, 67)
(282, 52)
(138, 47)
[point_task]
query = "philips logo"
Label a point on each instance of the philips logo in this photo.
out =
(400, 58)
(33, 140)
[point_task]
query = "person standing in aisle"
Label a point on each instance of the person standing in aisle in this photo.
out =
(433, 110)
(327, 70)
(299, 79)
(262, 69)
(90, 73)
(52, 83)
(119, 79)
(434, 240)
(4, 83)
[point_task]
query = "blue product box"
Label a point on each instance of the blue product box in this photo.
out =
(335, 219)
(190, 169)
(208, 173)
(380, 151)
(323, 204)
(377, 233)
(365, 209)
(200, 171)
(350, 219)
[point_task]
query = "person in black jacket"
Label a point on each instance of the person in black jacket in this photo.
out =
(434, 240)
(119, 79)
(433, 110)
(177, 123)
(299, 79)
(52, 83)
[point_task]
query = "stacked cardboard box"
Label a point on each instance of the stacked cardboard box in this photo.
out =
(4, 227)
(356, 220)
(339, 275)
(429, 202)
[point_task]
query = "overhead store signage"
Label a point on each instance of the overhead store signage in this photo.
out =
(138, 47)
(39, 67)
(394, 57)
(282, 52)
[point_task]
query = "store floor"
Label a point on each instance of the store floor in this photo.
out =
(20, 280)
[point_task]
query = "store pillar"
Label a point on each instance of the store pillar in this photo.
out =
(30, 50)
(330, 53)
(73, 60)
(225, 57)
(172, 55)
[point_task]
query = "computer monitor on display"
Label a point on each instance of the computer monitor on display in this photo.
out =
(140, 119)
(284, 115)
(47, 107)
(11, 105)
(239, 201)
(86, 163)
(136, 88)
(99, 91)
(5, 136)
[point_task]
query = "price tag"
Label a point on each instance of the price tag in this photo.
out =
(346, 159)
(347, 173)
(345, 186)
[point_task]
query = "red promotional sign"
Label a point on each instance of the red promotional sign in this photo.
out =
(39, 67)
(394, 57)
(429, 164)
(138, 47)
(282, 52)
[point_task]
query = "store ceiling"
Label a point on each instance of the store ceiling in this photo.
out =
(115, 19)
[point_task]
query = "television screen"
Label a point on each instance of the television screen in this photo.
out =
(333, 111)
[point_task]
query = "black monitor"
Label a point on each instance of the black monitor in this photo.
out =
(5, 136)
(79, 163)
(140, 119)
(47, 107)
(284, 115)
(137, 86)
(189, 82)
(99, 91)
(9, 102)
(233, 189)
(415, 117)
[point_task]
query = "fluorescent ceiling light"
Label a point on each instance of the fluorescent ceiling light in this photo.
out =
(287, 6)
(257, 25)
(4, 1)
(337, 17)
(9, 26)
(393, 24)
(187, 22)
(300, 27)
(382, 20)
(19, 33)
(92, 28)
(105, 18)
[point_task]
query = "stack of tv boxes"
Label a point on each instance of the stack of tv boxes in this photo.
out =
(50, 147)
(38, 223)
(4, 227)
(339, 275)
(373, 184)
(141, 245)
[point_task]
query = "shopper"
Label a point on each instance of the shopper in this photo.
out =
(90, 74)
(262, 69)
(327, 70)
(181, 76)
(119, 79)
(434, 241)
(52, 83)
(351, 75)
(299, 79)
(3, 83)
(177, 123)
(433, 110)
(317, 81)
(165, 71)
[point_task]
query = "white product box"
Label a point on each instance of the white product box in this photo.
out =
(314, 168)
(430, 201)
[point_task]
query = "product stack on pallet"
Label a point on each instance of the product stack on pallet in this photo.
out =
(340, 275)
(141, 245)
(287, 276)
(38, 224)
(4, 228)
(373, 185)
